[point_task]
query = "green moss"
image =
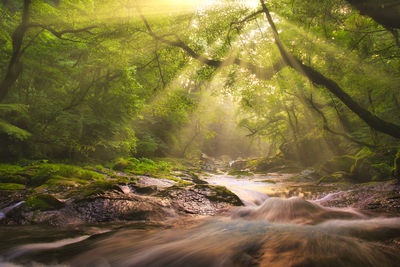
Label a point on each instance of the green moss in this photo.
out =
(240, 173)
(168, 177)
(181, 164)
(268, 181)
(44, 202)
(121, 164)
(123, 180)
(90, 175)
(221, 194)
(184, 183)
(12, 174)
(9, 169)
(95, 188)
(195, 178)
(11, 186)
(142, 166)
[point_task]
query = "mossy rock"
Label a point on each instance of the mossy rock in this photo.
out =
(268, 181)
(338, 163)
(126, 180)
(145, 190)
(220, 194)
(11, 186)
(196, 179)
(336, 177)
(273, 164)
(239, 164)
(90, 175)
(44, 202)
(94, 189)
(240, 173)
(59, 184)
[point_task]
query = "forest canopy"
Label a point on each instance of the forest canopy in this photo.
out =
(102, 79)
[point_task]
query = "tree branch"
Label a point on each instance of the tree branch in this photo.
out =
(59, 34)
(319, 79)
(328, 129)
(260, 72)
(246, 19)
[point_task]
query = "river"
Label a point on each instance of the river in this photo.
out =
(267, 231)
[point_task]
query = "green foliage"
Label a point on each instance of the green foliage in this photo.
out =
(112, 91)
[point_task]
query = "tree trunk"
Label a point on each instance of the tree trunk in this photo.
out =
(15, 66)
(384, 12)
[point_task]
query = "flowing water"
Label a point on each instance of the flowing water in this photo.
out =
(268, 231)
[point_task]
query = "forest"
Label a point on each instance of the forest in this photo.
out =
(200, 132)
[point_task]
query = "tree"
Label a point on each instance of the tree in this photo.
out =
(293, 62)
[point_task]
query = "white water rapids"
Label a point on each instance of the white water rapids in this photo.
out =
(269, 231)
